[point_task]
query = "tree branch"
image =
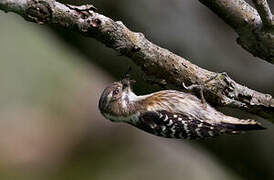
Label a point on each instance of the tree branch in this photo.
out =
(264, 12)
(246, 21)
(154, 60)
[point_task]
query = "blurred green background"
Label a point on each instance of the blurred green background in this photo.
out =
(51, 80)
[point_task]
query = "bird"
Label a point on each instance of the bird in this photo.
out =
(168, 113)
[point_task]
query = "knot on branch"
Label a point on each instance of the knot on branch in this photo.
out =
(38, 11)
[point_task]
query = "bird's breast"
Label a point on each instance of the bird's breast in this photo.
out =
(133, 118)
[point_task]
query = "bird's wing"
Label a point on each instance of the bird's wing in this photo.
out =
(176, 125)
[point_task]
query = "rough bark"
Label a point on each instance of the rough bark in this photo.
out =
(154, 60)
(255, 28)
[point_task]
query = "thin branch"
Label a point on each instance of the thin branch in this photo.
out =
(246, 21)
(237, 13)
(264, 12)
(154, 60)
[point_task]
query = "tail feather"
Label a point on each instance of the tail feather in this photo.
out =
(246, 125)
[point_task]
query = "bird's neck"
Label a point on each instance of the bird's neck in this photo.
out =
(132, 103)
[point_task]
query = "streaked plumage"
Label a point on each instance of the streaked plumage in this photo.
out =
(168, 113)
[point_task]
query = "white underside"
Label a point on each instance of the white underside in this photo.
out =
(132, 118)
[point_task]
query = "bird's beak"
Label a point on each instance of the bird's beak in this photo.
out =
(127, 83)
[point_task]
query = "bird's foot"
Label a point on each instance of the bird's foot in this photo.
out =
(200, 88)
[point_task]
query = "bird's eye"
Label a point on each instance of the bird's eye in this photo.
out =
(116, 91)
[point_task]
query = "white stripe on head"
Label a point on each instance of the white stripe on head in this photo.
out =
(109, 98)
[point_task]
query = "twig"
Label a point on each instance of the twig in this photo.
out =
(246, 21)
(154, 60)
(264, 12)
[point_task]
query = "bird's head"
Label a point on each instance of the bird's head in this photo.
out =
(115, 98)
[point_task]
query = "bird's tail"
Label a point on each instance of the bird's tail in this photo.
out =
(239, 125)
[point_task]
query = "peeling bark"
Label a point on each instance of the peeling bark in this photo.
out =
(154, 60)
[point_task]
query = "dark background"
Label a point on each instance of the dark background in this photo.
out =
(51, 80)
